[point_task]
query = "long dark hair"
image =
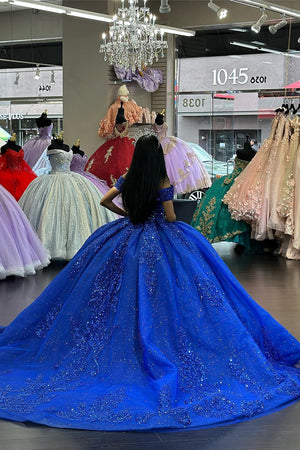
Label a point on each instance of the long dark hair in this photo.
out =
(146, 173)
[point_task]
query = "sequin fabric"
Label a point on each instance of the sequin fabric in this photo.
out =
(145, 328)
(64, 207)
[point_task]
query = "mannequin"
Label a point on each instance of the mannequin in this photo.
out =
(15, 173)
(113, 158)
(57, 143)
(185, 171)
(212, 217)
(35, 149)
(133, 113)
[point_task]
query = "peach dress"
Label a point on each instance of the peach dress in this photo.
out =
(248, 198)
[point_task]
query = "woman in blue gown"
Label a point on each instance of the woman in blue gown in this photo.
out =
(145, 328)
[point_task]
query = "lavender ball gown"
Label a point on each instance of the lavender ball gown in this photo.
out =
(185, 171)
(21, 252)
(35, 151)
(78, 164)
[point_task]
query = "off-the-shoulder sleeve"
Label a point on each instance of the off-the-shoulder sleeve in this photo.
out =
(166, 194)
(119, 184)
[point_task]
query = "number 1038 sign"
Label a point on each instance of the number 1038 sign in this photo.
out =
(241, 76)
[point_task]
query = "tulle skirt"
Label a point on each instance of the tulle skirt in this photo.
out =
(21, 252)
(64, 209)
(145, 328)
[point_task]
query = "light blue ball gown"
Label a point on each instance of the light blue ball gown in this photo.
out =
(145, 328)
(64, 207)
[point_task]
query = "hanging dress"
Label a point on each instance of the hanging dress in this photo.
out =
(248, 197)
(185, 171)
(15, 173)
(21, 252)
(146, 328)
(64, 207)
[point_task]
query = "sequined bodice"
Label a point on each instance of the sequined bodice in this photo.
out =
(164, 194)
(160, 130)
(45, 132)
(60, 160)
(78, 162)
(13, 160)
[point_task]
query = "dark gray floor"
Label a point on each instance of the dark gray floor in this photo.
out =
(274, 283)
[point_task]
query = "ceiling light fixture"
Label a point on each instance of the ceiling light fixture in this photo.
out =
(37, 73)
(274, 28)
(164, 7)
(37, 5)
(88, 15)
(16, 82)
(52, 79)
(221, 12)
(256, 27)
(270, 6)
(264, 49)
(133, 41)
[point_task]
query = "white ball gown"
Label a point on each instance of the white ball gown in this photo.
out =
(64, 207)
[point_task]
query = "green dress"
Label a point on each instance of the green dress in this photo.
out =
(213, 219)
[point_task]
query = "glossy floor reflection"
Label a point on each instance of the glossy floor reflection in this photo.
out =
(272, 281)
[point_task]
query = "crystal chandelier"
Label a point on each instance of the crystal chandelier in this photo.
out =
(133, 41)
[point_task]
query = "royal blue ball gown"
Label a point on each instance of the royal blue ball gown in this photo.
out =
(145, 328)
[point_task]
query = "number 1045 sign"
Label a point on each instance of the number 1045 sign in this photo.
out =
(236, 77)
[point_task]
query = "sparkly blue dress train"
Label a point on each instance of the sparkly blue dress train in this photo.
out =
(145, 328)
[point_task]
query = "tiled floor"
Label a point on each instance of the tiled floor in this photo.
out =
(272, 281)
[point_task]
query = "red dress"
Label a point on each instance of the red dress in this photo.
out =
(15, 173)
(112, 159)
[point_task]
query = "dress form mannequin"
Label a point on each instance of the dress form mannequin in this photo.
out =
(15, 173)
(212, 217)
(185, 171)
(113, 158)
(133, 113)
(35, 149)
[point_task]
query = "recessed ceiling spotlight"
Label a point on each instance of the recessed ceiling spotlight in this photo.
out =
(221, 12)
(274, 28)
(257, 25)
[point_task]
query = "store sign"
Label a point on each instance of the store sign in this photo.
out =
(194, 103)
(11, 116)
(20, 83)
(250, 72)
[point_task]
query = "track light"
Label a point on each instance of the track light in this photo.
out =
(257, 25)
(221, 12)
(274, 28)
(52, 79)
(298, 40)
(164, 7)
(16, 82)
(37, 73)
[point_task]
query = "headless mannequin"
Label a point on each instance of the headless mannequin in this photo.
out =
(58, 144)
(43, 121)
(11, 145)
(246, 153)
(76, 148)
